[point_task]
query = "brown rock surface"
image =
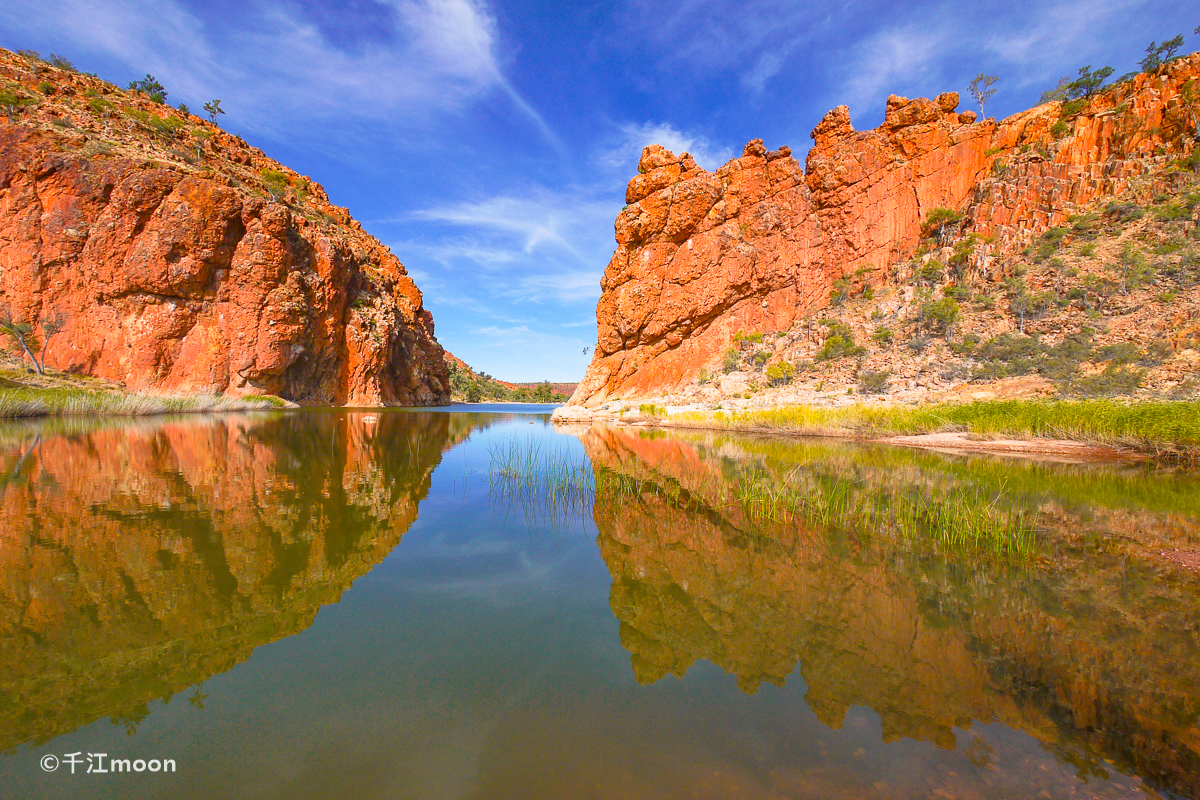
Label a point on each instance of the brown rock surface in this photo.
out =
(181, 267)
(757, 244)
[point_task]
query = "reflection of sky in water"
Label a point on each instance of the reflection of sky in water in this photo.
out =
(482, 658)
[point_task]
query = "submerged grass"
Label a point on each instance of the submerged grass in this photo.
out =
(71, 401)
(1162, 428)
(549, 485)
(552, 486)
(957, 519)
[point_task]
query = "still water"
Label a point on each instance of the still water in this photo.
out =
(400, 604)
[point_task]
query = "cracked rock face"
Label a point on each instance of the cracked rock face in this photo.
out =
(757, 244)
(178, 274)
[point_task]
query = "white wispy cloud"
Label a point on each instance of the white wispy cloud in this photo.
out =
(551, 245)
(634, 138)
(890, 57)
(541, 217)
(278, 70)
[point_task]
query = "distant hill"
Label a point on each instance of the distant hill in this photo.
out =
(469, 386)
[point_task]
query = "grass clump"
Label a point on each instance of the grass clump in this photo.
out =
(1165, 428)
(66, 401)
(546, 483)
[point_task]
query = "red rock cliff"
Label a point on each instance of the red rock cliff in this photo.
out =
(186, 261)
(757, 244)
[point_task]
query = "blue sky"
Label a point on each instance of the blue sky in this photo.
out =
(489, 143)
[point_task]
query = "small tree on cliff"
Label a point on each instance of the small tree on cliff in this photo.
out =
(941, 221)
(24, 335)
(213, 107)
(1159, 54)
(150, 87)
(11, 103)
(981, 89)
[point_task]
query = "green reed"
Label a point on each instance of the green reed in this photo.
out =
(1163, 428)
(956, 518)
(548, 484)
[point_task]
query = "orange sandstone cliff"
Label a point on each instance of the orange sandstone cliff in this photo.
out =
(758, 244)
(183, 260)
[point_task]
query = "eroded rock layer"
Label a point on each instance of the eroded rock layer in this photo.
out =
(758, 244)
(183, 260)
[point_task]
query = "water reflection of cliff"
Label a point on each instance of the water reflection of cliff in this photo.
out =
(137, 560)
(1092, 645)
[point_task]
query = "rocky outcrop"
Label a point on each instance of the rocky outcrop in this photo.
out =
(758, 244)
(183, 260)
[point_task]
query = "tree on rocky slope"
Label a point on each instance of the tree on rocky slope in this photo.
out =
(24, 335)
(213, 107)
(1159, 54)
(981, 90)
(11, 103)
(150, 87)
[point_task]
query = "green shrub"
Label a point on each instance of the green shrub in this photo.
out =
(761, 357)
(1114, 380)
(1085, 226)
(1172, 212)
(917, 344)
(966, 346)
(930, 272)
(1060, 129)
(840, 291)
(882, 336)
(166, 126)
(275, 182)
(873, 382)
(839, 343)
(1123, 212)
(940, 315)
(836, 347)
(651, 410)
(731, 360)
(1189, 162)
(780, 372)
(1008, 354)
(939, 222)
(47, 88)
(1120, 353)
(1047, 244)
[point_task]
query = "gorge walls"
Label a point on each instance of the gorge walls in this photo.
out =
(757, 244)
(180, 259)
